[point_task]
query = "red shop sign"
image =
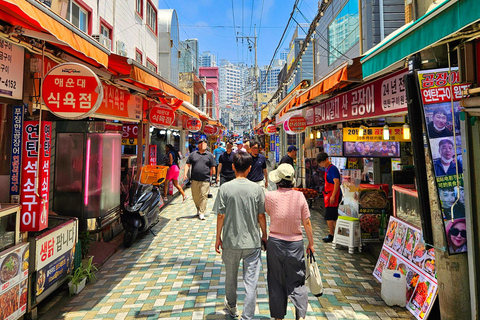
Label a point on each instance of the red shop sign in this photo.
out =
(152, 158)
(219, 131)
(270, 129)
(435, 85)
(297, 124)
(193, 125)
(161, 116)
(260, 131)
(385, 96)
(72, 91)
(208, 129)
(34, 215)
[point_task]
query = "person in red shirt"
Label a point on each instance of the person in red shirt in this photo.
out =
(331, 193)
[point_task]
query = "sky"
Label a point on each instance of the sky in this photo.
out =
(217, 23)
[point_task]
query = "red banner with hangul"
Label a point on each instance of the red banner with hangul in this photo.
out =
(152, 155)
(35, 192)
(161, 116)
(297, 124)
(209, 129)
(193, 125)
(72, 91)
(437, 85)
(119, 103)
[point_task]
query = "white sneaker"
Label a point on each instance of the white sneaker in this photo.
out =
(231, 310)
(201, 216)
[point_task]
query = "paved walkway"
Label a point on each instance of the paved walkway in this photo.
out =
(178, 275)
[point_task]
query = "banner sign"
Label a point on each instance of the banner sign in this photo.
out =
(270, 129)
(34, 208)
(442, 119)
(193, 125)
(373, 134)
(161, 116)
(18, 113)
(119, 103)
(297, 124)
(130, 134)
(14, 287)
(11, 70)
(404, 250)
(152, 152)
(277, 148)
(379, 98)
(72, 91)
(54, 252)
(210, 130)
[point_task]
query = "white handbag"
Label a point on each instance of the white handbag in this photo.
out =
(313, 277)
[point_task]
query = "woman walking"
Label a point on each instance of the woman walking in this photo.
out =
(288, 210)
(173, 172)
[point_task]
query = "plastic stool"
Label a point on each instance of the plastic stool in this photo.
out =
(347, 233)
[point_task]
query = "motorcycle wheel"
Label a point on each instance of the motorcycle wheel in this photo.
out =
(130, 235)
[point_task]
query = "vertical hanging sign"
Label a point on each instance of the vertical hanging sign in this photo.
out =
(277, 148)
(34, 198)
(152, 158)
(442, 117)
(18, 112)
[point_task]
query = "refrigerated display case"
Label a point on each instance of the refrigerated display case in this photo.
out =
(406, 205)
(9, 225)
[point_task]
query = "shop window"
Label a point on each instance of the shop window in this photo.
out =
(151, 65)
(343, 31)
(152, 17)
(79, 14)
(138, 56)
(139, 7)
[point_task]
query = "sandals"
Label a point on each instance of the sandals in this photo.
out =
(185, 199)
(165, 199)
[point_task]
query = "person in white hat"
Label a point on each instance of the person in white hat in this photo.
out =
(288, 211)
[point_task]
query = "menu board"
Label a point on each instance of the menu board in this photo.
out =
(404, 250)
(14, 281)
(333, 142)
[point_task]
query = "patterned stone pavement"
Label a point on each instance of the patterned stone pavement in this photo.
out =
(178, 275)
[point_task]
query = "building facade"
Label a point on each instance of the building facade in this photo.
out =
(269, 76)
(189, 56)
(232, 81)
(210, 77)
(207, 59)
(168, 45)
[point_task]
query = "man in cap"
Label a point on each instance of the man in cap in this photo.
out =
(202, 164)
(240, 147)
(258, 172)
(290, 156)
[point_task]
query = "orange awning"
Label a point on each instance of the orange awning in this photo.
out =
(30, 17)
(130, 71)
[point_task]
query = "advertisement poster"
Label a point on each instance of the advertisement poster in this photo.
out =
(14, 281)
(333, 143)
(377, 149)
(404, 250)
(314, 175)
(54, 254)
(442, 118)
(373, 134)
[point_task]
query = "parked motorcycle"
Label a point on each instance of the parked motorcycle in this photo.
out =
(141, 208)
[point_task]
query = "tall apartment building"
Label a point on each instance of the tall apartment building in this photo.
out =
(232, 82)
(269, 76)
(168, 44)
(189, 56)
(207, 59)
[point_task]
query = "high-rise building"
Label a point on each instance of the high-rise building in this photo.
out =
(207, 59)
(189, 56)
(269, 76)
(232, 83)
(168, 45)
(283, 55)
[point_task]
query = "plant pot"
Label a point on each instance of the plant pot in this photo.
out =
(76, 288)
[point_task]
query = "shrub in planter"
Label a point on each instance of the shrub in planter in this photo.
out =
(81, 275)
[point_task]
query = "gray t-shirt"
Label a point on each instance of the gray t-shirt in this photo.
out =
(201, 164)
(241, 201)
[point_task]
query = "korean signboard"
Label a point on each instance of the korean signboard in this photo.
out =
(152, 155)
(11, 70)
(18, 112)
(277, 148)
(72, 91)
(211, 130)
(379, 98)
(36, 138)
(120, 103)
(297, 124)
(193, 125)
(373, 134)
(14, 281)
(270, 129)
(442, 119)
(161, 116)
(130, 134)
(54, 253)
(404, 250)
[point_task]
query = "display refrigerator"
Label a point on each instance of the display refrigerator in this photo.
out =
(87, 175)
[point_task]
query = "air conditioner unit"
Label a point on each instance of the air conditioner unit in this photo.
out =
(104, 41)
(121, 48)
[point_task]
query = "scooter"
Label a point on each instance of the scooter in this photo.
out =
(141, 208)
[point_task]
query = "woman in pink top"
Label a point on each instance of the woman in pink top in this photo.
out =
(288, 210)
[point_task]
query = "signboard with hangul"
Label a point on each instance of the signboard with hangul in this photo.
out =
(161, 116)
(373, 134)
(119, 103)
(379, 98)
(152, 152)
(11, 70)
(18, 112)
(35, 180)
(437, 85)
(72, 91)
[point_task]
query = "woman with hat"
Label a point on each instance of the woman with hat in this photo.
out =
(288, 210)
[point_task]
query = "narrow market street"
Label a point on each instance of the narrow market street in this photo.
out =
(178, 275)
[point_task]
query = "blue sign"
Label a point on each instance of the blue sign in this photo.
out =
(277, 148)
(54, 271)
(18, 112)
(272, 143)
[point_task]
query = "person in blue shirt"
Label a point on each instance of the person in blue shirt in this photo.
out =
(217, 153)
(258, 172)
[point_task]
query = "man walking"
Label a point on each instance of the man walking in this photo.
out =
(331, 193)
(290, 156)
(217, 153)
(225, 169)
(202, 164)
(258, 173)
(240, 209)
(240, 146)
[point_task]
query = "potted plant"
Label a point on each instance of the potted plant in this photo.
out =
(83, 273)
